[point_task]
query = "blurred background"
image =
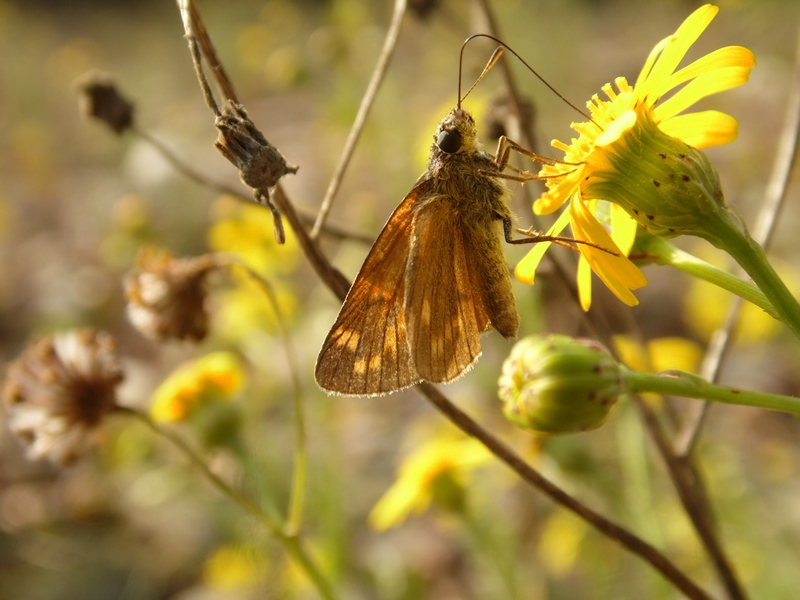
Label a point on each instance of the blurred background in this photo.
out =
(133, 521)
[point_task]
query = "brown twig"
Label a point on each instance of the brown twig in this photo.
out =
(378, 75)
(306, 215)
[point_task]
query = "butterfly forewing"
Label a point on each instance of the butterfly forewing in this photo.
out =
(366, 353)
(444, 315)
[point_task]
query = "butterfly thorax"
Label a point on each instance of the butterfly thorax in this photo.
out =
(462, 173)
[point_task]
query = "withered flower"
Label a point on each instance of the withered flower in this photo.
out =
(166, 295)
(260, 164)
(101, 100)
(59, 390)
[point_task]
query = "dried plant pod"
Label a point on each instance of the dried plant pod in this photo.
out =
(101, 100)
(260, 164)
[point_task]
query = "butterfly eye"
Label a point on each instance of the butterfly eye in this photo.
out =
(449, 141)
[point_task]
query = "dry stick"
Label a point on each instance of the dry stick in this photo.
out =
(389, 45)
(629, 540)
(636, 545)
(774, 198)
(691, 492)
(682, 472)
(306, 214)
(195, 27)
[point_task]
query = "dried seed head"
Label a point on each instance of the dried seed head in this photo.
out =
(259, 163)
(166, 295)
(59, 390)
(101, 100)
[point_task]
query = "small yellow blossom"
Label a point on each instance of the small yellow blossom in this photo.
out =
(215, 376)
(659, 354)
(583, 178)
(435, 472)
(233, 568)
(245, 231)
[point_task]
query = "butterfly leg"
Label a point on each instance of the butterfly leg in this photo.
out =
(506, 145)
(535, 237)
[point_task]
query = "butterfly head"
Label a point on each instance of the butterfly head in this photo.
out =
(456, 132)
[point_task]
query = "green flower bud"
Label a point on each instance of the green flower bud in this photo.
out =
(559, 384)
(669, 187)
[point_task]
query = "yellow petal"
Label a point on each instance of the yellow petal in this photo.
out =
(526, 268)
(731, 56)
(676, 47)
(617, 272)
(702, 129)
(584, 284)
(641, 81)
(623, 229)
(615, 129)
(555, 197)
(700, 87)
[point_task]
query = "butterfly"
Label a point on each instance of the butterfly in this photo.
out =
(435, 278)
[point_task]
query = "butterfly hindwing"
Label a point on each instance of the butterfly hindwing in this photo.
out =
(443, 318)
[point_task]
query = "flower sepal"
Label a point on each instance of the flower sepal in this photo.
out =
(666, 185)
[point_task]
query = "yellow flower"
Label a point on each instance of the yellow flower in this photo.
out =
(218, 375)
(592, 170)
(245, 230)
(659, 354)
(436, 471)
(233, 568)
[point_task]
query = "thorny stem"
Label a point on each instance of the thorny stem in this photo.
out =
(774, 198)
(289, 540)
(389, 45)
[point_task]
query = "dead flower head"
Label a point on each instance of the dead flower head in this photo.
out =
(259, 163)
(101, 100)
(59, 390)
(166, 295)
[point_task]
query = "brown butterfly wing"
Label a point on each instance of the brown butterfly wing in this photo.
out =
(366, 352)
(445, 307)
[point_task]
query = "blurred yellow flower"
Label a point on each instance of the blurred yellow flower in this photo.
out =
(246, 231)
(435, 472)
(706, 306)
(560, 542)
(583, 178)
(215, 376)
(233, 568)
(659, 354)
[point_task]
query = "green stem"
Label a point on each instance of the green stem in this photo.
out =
(736, 241)
(661, 252)
(290, 542)
(686, 385)
(297, 499)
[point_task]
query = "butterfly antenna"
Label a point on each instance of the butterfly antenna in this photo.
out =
(494, 59)
(498, 52)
